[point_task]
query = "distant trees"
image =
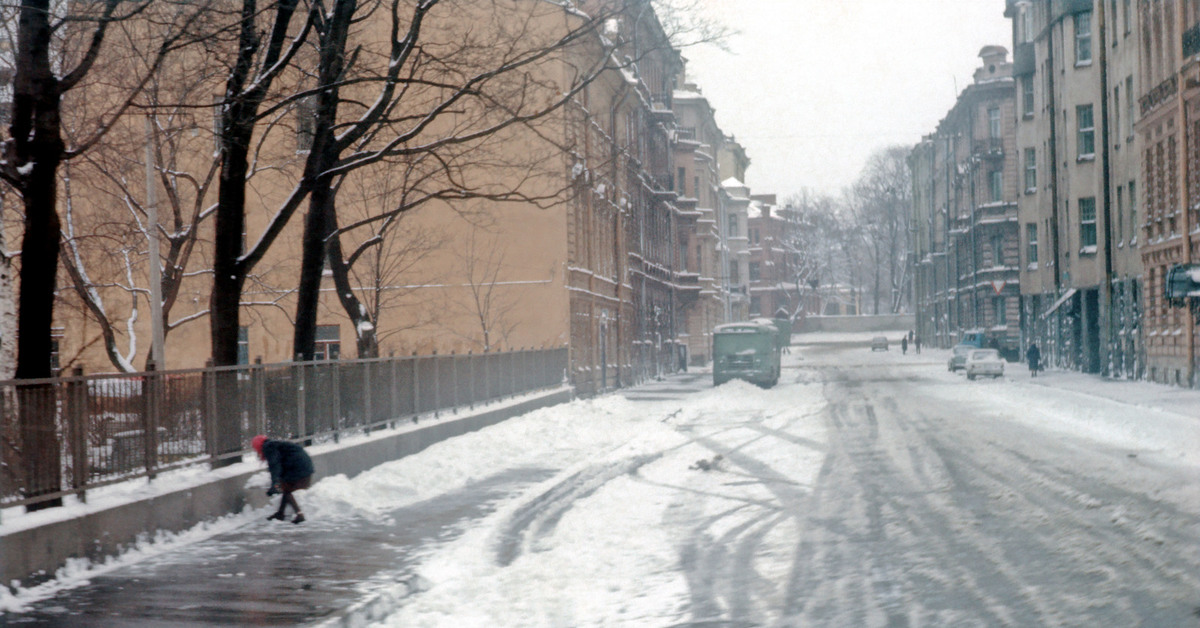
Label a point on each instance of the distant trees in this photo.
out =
(860, 239)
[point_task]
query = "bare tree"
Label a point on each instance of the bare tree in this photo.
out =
(58, 47)
(487, 301)
(370, 277)
(880, 211)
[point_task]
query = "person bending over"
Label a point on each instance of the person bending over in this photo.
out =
(291, 471)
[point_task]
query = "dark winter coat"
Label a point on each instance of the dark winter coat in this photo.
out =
(287, 461)
(1033, 356)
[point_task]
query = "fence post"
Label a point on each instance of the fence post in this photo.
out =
(368, 393)
(76, 414)
(393, 392)
(416, 386)
(210, 411)
(455, 382)
(258, 378)
(150, 407)
(298, 377)
(471, 380)
(336, 376)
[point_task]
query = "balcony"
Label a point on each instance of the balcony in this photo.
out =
(1191, 41)
(1159, 94)
(991, 148)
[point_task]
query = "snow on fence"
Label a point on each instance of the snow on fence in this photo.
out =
(64, 435)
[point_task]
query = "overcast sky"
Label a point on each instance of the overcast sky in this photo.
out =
(812, 87)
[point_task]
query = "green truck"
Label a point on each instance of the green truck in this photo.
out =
(749, 351)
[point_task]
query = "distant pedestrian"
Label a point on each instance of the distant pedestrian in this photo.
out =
(291, 471)
(1034, 357)
(904, 345)
(917, 344)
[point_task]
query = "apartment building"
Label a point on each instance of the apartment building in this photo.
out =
(1075, 70)
(698, 145)
(773, 261)
(1168, 135)
(965, 214)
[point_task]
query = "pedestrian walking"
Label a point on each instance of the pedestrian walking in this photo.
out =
(904, 345)
(291, 470)
(1034, 357)
(917, 343)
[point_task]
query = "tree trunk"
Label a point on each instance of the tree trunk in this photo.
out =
(365, 338)
(323, 155)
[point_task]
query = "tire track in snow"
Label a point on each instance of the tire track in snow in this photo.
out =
(535, 520)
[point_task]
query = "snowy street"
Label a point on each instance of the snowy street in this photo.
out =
(866, 489)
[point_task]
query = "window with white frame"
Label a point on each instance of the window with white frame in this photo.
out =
(1030, 169)
(243, 345)
(994, 123)
(1087, 222)
(996, 185)
(1026, 9)
(1086, 131)
(997, 250)
(1027, 96)
(1083, 38)
(1000, 311)
(1031, 239)
(329, 342)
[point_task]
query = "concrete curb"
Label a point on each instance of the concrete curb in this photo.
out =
(35, 554)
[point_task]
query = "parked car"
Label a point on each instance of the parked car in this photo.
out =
(983, 362)
(879, 343)
(958, 357)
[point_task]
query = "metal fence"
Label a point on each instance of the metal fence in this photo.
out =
(65, 435)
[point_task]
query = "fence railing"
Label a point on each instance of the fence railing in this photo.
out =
(65, 435)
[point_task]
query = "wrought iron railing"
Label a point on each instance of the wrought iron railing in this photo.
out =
(65, 435)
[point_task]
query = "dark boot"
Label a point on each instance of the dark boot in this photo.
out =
(299, 518)
(278, 516)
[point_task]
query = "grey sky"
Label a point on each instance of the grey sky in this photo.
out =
(812, 87)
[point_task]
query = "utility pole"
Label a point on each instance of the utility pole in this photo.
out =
(156, 315)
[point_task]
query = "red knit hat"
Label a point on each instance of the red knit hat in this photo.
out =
(257, 443)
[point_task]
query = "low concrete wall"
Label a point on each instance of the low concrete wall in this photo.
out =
(36, 553)
(849, 324)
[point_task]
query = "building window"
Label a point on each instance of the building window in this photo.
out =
(1133, 224)
(1117, 114)
(1027, 96)
(1083, 38)
(1129, 115)
(1000, 311)
(994, 123)
(754, 271)
(1113, 12)
(735, 277)
(997, 250)
(1087, 223)
(1030, 169)
(996, 185)
(1127, 16)
(1086, 131)
(1026, 23)
(329, 343)
(732, 222)
(1031, 236)
(56, 337)
(243, 346)
(1120, 212)
(755, 306)
(681, 182)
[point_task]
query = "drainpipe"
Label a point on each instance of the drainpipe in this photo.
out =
(1105, 301)
(1184, 175)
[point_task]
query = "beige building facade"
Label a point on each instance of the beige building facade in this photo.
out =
(597, 251)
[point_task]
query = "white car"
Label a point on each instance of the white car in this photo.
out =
(984, 362)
